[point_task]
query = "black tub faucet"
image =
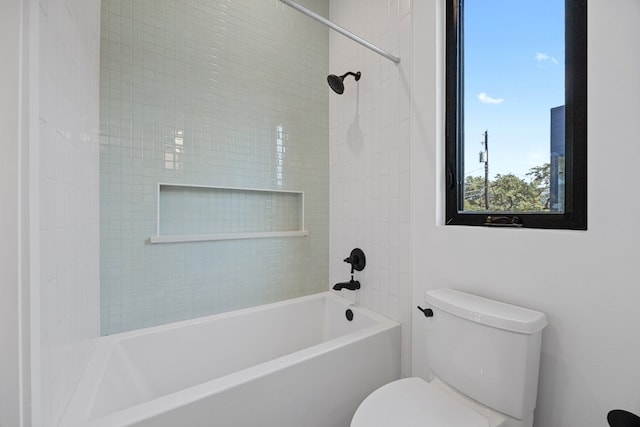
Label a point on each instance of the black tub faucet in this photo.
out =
(357, 261)
(352, 285)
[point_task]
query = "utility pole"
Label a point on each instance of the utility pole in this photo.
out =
(484, 157)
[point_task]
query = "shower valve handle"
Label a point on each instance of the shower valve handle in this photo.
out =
(356, 259)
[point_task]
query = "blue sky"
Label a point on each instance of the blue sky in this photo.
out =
(514, 74)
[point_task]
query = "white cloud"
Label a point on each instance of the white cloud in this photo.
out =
(486, 99)
(542, 57)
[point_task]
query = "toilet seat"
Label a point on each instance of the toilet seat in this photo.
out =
(414, 402)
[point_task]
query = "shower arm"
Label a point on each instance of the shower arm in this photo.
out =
(341, 30)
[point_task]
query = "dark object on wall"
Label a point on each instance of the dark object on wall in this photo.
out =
(336, 82)
(621, 418)
(352, 285)
(358, 262)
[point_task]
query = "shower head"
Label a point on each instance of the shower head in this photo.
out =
(336, 82)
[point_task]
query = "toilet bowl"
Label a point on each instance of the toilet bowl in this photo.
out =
(485, 358)
(415, 402)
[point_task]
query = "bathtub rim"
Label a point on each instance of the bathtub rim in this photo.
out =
(78, 412)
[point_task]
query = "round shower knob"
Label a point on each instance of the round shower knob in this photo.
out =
(356, 259)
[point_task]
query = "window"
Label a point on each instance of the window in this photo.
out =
(516, 113)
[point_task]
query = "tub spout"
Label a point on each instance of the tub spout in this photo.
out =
(352, 285)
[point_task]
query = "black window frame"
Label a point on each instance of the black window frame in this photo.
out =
(574, 216)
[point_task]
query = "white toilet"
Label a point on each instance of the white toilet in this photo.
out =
(485, 357)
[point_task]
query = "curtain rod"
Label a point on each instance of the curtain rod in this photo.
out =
(341, 30)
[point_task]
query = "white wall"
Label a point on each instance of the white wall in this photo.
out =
(585, 282)
(64, 57)
(370, 135)
(10, 325)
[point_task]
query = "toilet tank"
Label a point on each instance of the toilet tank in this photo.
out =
(487, 350)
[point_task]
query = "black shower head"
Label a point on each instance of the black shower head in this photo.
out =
(336, 82)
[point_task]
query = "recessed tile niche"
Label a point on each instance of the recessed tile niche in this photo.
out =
(188, 213)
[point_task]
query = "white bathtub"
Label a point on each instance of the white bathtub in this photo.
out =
(296, 363)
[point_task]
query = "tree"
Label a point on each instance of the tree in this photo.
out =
(541, 179)
(509, 193)
(474, 193)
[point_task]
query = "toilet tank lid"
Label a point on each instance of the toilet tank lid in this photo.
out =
(486, 311)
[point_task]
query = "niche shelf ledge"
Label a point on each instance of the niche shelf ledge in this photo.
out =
(225, 236)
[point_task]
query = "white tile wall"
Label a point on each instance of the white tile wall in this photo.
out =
(12, 356)
(370, 157)
(67, 70)
(214, 93)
